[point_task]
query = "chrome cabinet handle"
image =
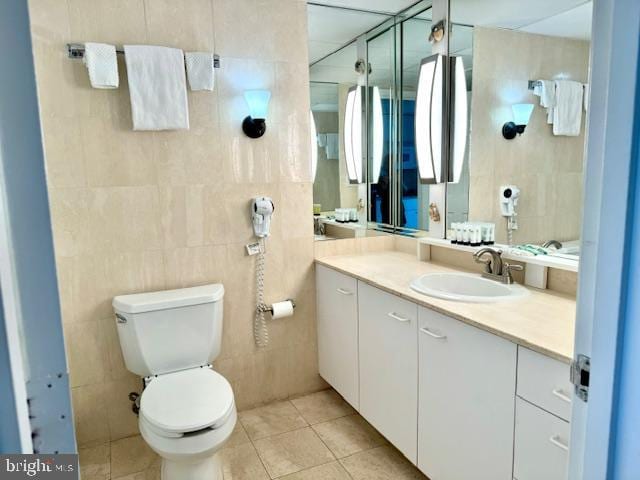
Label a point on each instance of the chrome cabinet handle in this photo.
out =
(558, 443)
(343, 291)
(395, 316)
(561, 395)
(431, 334)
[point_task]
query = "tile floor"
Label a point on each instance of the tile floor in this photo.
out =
(315, 437)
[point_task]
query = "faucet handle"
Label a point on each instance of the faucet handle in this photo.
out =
(508, 267)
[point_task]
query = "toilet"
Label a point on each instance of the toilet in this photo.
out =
(187, 410)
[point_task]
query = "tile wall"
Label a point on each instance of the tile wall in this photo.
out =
(140, 211)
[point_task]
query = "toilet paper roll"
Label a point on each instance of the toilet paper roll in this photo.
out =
(282, 309)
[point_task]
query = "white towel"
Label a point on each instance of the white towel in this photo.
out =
(199, 70)
(567, 115)
(546, 90)
(157, 86)
(322, 140)
(102, 63)
(332, 148)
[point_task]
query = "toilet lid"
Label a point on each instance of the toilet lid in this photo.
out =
(187, 401)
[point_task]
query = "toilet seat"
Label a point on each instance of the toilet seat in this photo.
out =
(187, 401)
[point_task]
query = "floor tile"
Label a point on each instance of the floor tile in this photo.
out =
(322, 406)
(271, 419)
(242, 463)
(292, 452)
(130, 455)
(348, 435)
(328, 471)
(95, 462)
(238, 437)
(382, 463)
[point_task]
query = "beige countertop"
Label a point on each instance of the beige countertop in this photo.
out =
(543, 321)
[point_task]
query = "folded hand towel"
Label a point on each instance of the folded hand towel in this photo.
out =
(200, 70)
(567, 114)
(102, 63)
(546, 90)
(157, 87)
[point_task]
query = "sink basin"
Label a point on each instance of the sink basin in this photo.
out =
(464, 287)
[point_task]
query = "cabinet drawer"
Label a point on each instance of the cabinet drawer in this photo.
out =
(337, 312)
(541, 444)
(544, 382)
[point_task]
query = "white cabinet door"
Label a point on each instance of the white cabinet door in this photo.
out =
(466, 401)
(389, 366)
(542, 444)
(337, 317)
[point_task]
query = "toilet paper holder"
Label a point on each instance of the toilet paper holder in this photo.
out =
(270, 308)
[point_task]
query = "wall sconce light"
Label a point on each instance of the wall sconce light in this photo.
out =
(378, 135)
(521, 115)
(353, 134)
(254, 125)
(460, 119)
(429, 118)
(314, 146)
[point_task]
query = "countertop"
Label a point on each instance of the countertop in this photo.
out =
(543, 321)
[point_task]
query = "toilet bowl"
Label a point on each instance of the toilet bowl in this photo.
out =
(186, 418)
(187, 410)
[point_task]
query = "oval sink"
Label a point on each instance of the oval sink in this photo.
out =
(465, 287)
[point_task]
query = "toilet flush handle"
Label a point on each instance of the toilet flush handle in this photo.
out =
(121, 318)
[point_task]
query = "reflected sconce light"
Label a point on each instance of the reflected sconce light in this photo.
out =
(521, 115)
(429, 119)
(460, 119)
(353, 134)
(314, 146)
(255, 124)
(378, 135)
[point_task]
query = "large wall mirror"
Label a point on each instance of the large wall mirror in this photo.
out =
(528, 65)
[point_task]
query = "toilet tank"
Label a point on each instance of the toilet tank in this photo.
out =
(171, 330)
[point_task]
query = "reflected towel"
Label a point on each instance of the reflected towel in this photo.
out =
(157, 86)
(567, 114)
(200, 70)
(332, 148)
(102, 63)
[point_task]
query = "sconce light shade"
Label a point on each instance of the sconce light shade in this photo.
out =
(353, 134)
(255, 124)
(460, 119)
(314, 146)
(521, 115)
(378, 135)
(429, 119)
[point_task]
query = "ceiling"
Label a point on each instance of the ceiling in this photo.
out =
(390, 7)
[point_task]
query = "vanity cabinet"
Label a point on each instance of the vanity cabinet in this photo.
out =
(459, 402)
(388, 344)
(466, 400)
(337, 318)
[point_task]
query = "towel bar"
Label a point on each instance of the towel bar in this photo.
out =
(76, 50)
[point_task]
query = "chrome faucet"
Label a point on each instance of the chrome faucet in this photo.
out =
(494, 267)
(552, 243)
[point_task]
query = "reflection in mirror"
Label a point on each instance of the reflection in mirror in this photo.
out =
(529, 53)
(339, 201)
(414, 212)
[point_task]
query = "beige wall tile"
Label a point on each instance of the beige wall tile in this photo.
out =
(90, 414)
(86, 353)
(144, 211)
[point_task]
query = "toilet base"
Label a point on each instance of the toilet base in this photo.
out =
(209, 468)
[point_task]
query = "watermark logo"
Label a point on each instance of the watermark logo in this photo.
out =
(50, 467)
